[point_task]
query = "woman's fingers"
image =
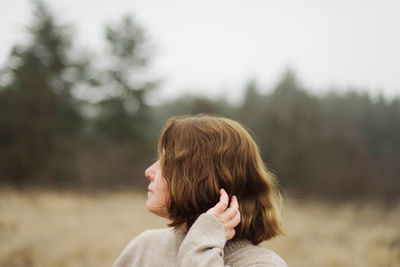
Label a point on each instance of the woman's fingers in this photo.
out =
(229, 217)
(230, 234)
(233, 208)
(232, 223)
(223, 202)
(224, 198)
(221, 206)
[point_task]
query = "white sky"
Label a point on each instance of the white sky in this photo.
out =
(218, 45)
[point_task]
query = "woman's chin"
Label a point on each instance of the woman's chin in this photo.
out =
(148, 205)
(157, 211)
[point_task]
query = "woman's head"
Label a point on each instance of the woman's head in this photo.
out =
(201, 154)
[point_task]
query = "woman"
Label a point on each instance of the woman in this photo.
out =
(211, 183)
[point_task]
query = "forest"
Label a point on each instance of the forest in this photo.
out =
(71, 119)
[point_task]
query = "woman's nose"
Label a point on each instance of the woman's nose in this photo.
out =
(149, 173)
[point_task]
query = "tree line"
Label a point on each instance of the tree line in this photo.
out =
(69, 118)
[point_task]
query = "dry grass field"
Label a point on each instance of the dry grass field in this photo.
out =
(44, 228)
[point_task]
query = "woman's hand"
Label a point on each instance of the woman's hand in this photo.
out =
(229, 217)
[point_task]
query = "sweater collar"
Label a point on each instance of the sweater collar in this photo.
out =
(234, 245)
(230, 246)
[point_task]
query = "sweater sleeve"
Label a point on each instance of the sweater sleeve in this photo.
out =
(203, 244)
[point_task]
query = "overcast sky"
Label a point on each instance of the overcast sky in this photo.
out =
(218, 45)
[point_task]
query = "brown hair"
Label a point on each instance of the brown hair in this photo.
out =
(201, 154)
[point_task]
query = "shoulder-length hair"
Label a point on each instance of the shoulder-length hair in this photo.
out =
(201, 154)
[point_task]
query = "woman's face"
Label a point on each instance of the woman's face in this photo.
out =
(157, 197)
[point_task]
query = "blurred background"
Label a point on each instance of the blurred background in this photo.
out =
(85, 88)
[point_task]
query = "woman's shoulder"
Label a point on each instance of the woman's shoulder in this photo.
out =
(146, 244)
(154, 232)
(151, 235)
(157, 238)
(244, 253)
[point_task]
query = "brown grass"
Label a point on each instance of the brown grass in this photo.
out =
(43, 228)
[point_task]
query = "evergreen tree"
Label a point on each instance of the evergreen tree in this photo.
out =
(124, 113)
(39, 118)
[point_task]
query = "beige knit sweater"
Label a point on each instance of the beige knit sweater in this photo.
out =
(204, 245)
